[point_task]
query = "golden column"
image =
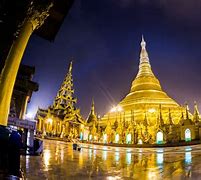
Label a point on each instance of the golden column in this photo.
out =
(36, 16)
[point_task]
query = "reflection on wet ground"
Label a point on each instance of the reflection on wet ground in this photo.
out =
(59, 161)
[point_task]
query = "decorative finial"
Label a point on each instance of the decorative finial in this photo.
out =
(144, 65)
(187, 109)
(143, 55)
(143, 43)
(196, 113)
(70, 66)
(92, 107)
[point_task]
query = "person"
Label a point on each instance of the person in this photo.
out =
(4, 138)
(15, 144)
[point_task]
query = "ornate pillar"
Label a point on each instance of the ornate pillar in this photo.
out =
(39, 125)
(35, 18)
(24, 107)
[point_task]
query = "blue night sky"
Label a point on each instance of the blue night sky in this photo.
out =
(104, 39)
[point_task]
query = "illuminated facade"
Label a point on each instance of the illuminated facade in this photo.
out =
(62, 119)
(147, 115)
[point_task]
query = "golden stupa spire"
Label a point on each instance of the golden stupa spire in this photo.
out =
(143, 55)
(70, 67)
(144, 66)
(187, 115)
(92, 107)
(145, 79)
(196, 113)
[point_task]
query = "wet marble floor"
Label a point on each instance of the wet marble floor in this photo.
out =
(59, 162)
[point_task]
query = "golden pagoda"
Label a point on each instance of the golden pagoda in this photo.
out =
(146, 109)
(146, 95)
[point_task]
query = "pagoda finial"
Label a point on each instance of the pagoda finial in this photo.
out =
(143, 43)
(187, 115)
(196, 112)
(143, 55)
(70, 67)
(92, 107)
(144, 66)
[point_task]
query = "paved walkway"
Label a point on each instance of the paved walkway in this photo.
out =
(60, 162)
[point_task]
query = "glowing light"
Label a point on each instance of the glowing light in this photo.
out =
(187, 135)
(128, 139)
(116, 109)
(159, 138)
(188, 158)
(128, 158)
(90, 137)
(46, 158)
(29, 115)
(140, 141)
(117, 156)
(81, 159)
(62, 155)
(159, 156)
(152, 110)
(90, 154)
(119, 108)
(113, 109)
(105, 138)
(86, 133)
(104, 155)
(117, 138)
(49, 120)
(81, 136)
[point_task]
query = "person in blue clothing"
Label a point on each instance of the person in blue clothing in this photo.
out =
(15, 144)
(4, 138)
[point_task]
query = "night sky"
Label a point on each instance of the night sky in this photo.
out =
(104, 38)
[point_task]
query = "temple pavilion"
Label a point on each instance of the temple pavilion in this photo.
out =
(147, 114)
(61, 119)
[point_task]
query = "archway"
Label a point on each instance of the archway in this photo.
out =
(159, 137)
(140, 141)
(90, 137)
(81, 136)
(187, 135)
(128, 139)
(116, 138)
(105, 138)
